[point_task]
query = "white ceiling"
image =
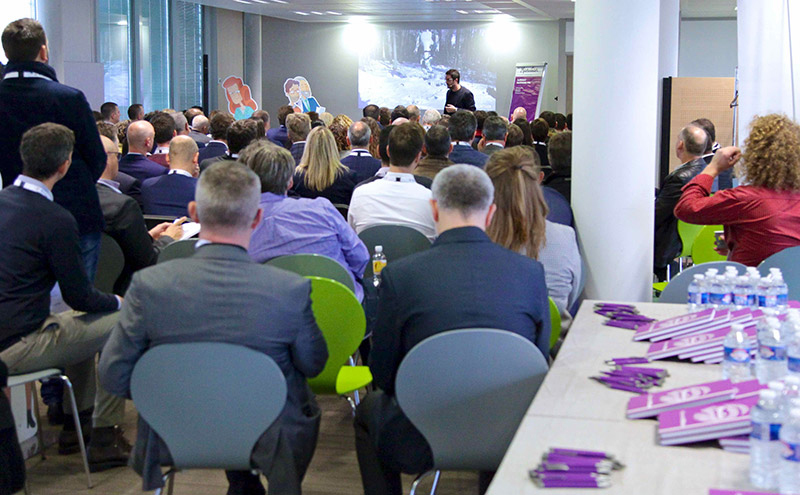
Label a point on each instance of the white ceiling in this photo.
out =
(439, 10)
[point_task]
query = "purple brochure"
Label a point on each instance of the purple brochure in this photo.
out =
(714, 344)
(722, 416)
(749, 388)
(682, 321)
(722, 317)
(712, 491)
(649, 405)
(701, 436)
(673, 347)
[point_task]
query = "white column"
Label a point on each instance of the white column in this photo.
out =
(252, 55)
(50, 15)
(614, 144)
(669, 44)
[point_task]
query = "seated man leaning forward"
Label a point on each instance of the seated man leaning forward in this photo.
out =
(220, 295)
(40, 247)
(425, 294)
(298, 225)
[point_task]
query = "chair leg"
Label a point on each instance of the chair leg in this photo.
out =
(422, 477)
(435, 482)
(171, 482)
(78, 429)
(39, 432)
(352, 404)
(26, 488)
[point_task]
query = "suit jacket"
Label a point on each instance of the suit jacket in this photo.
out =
(279, 136)
(211, 161)
(297, 151)
(168, 195)
(140, 167)
(560, 182)
(28, 101)
(125, 223)
(160, 158)
(491, 148)
(212, 150)
(362, 163)
(559, 209)
(465, 154)
(235, 301)
(430, 166)
(130, 186)
(199, 138)
(667, 241)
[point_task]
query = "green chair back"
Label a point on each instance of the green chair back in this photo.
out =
(341, 319)
(688, 232)
(178, 249)
(315, 265)
(555, 323)
(110, 263)
(703, 247)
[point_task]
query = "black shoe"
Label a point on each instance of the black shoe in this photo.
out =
(108, 449)
(55, 414)
(68, 438)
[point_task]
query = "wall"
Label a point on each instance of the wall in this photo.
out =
(708, 48)
(230, 51)
(318, 53)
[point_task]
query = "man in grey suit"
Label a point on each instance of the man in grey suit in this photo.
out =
(221, 295)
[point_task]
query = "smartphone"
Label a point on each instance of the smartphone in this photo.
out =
(719, 239)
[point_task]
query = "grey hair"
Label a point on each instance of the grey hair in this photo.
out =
(463, 188)
(272, 164)
(689, 135)
(359, 133)
(180, 121)
(494, 129)
(431, 116)
(227, 196)
(200, 122)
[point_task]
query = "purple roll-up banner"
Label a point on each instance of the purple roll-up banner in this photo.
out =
(528, 85)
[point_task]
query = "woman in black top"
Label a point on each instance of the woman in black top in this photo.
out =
(320, 173)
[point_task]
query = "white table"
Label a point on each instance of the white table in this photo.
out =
(572, 411)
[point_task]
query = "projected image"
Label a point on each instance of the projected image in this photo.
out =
(407, 67)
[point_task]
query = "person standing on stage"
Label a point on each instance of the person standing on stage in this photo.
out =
(458, 97)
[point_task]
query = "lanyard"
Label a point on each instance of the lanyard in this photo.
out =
(25, 74)
(33, 187)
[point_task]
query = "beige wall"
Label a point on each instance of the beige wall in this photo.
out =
(230, 50)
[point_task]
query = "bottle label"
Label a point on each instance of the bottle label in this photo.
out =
(377, 266)
(794, 364)
(766, 431)
(741, 300)
(791, 451)
(783, 299)
(752, 300)
(695, 298)
(720, 299)
(768, 300)
(737, 354)
(772, 352)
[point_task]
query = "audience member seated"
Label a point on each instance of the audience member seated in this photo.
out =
(240, 134)
(425, 294)
(136, 112)
(520, 225)
(298, 125)
(519, 113)
(384, 116)
(462, 130)
(372, 111)
(279, 135)
(494, 135)
(170, 194)
(164, 127)
(135, 163)
(40, 246)
(396, 198)
(125, 223)
(539, 131)
(437, 146)
(559, 155)
(128, 185)
(550, 118)
(239, 302)
(515, 137)
(430, 118)
(689, 150)
(375, 136)
(263, 116)
(383, 144)
(320, 173)
(200, 127)
(725, 178)
(360, 160)
(763, 216)
(327, 118)
(299, 225)
(399, 112)
(561, 122)
(525, 127)
(218, 146)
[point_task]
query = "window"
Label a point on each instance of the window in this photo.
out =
(187, 44)
(153, 64)
(113, 45)
(12, 11)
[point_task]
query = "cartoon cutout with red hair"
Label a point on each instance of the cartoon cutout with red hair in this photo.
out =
(240, 103)
(298, 91)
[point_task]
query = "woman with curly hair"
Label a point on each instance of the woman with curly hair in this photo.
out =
(320, 173)
(761, 217)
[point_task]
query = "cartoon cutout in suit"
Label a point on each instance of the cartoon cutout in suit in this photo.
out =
(298, 91)
(240, 104)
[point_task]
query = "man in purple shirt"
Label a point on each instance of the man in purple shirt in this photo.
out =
(298, 225)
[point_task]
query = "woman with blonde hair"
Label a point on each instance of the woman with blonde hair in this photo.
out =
(520, 224)
(320, 173)
(761, 217)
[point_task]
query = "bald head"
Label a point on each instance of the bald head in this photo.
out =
(140, 137)
(359, 134)
(200, 124)
(413, 113)
(692, 142)
(519, 113)
(183, 154)
(112, 158)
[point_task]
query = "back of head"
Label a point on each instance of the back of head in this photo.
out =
(182, 150)
(359, 134)
(136, 111)
(138, 133)
(200, 124)
(695, 140)
(272, 164)
(462, 126)
(549, 117)
(180, 122)
(371, 110)
(399, 111)
(569, 121)
(339, 131)
(540, 130)
(561, 121)
(437, 141)
(261, 129)
(284, 112)
(107, 130)
(23, 39)
(494, 129)
(191, 113)
(312, 115)
(44, 148)
(326, 118)
(772, 153)
(519, 223)
(107, 109)
(164, 126)
(227, 197)
(525, 127)
(298, 126)
(519, 113)
(559, 152)
(262, 115)
(384, 115)
(220, 123)
(431, 116)
(707, 126)
(320, 159)
(515, 136)
(405, 144)
(413, 113)
(480, 118)
(240, 134)
(462, 190)
(383, 145)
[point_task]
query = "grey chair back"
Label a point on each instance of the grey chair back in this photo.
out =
(397, 241)
(467, 391)
(152, 220)
(677, 288)
(788, 261)
(208, 401)
(110, 264)
(178, 249)
(314, 265)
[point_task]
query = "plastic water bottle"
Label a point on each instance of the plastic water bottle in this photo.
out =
(742, 290)
(736, 363)
(793, 355)
(718, 294)
(781, 292)
(771, 356)
(697, 297)
(754, 278)
(767, 296)
(789, 479)
(765, 446)
(790, 392)
(378, 264)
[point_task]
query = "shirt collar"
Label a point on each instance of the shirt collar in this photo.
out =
(382, 172)
(269, 197)
(39, 69)
(298, 142)
(360, 152)
(177, 171)
(111, 184)
(220, 142)
(399, 177)
(162, 150)
(33, 185)
(464, 143)
(501, 145)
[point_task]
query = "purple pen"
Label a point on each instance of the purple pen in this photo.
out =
(657, 372)
(623, 324)
(598, 467)
(595, 483)
(572, 461)
(628, 360)
(566, 476)
(579, 453)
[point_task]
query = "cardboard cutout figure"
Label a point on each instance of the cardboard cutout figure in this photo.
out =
(240, 104)
(298, 91)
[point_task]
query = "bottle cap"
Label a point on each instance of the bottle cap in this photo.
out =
(774, 270)
(773, 322)
(737, 327)
(712, 271)
(791, 380)
(699, 276)
(767, 394)
(378, 248)
(775, 385)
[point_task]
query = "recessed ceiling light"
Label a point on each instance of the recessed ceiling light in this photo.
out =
(279, 1)
(260, 1)
(122, 23)
(301, 13)
(242, 1)
(316, 13)
(333, 13)
(462, 11)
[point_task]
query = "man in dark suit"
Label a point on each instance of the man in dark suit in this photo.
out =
(279, 135)
(199, 130)
(494, 135)
(539, 132)
(462, 128)
(425, 294)
(170, 194)
(164, 127)
(299, 125)
(141, 136)
(218, 145)
(128, 185)
(243, 303)
(725, 179)
(559, 154)
(360, 160)
(240, 134)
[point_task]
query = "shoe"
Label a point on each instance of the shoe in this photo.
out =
(108, 449)
(68, 437)
(55, 414)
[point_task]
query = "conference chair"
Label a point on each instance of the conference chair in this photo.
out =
(151, 221)
(31, 379)
(178, 249)
(703, 246)
(688, 233)
(110, 263)
(465, 405)
(170, 387)
(341, 319)
(343, 208)
(788, 260)
(315, 265)
(397, 241)
(676, 290)
(555, 323)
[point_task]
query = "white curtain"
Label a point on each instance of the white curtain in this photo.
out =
(769, 60)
